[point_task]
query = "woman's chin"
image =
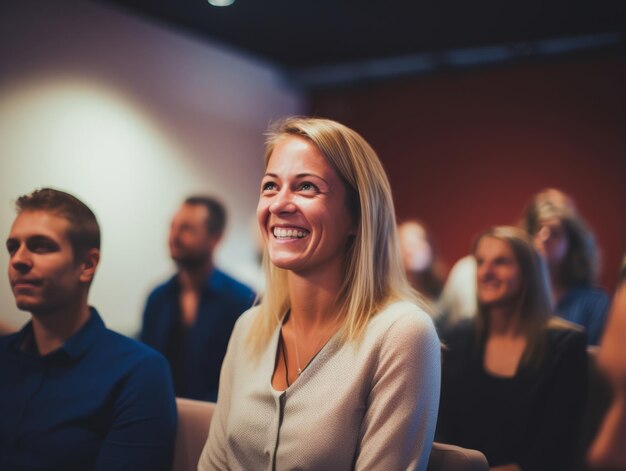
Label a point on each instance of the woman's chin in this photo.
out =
(283, 262)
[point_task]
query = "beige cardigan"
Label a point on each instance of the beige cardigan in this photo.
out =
(370, 405)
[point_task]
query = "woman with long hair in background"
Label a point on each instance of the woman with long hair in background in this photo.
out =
(569, 248)
(513, 379)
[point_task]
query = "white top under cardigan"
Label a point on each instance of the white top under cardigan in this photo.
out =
(370, 405)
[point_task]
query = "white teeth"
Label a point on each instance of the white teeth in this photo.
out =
(282, 233)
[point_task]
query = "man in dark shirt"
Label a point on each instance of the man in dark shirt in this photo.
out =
(73, 394)
(191, 316)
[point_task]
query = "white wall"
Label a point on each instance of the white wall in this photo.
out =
(131, 118)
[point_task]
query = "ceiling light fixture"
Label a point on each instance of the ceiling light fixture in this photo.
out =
(221, 3)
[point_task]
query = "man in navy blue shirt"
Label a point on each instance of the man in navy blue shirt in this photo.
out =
(73, 394)
(190, 317)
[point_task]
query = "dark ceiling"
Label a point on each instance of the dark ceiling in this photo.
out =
(301, 36)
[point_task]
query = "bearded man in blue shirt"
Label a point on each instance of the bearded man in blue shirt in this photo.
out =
(190, 317)
(73, 394)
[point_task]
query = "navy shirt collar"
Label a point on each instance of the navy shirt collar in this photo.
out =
(73, 348)
(78, 344)
(212, 285)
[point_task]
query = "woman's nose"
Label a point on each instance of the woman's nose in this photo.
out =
(484, 271)
(283, 203)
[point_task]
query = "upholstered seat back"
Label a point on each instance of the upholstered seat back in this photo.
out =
(444, 457)
(194, 419)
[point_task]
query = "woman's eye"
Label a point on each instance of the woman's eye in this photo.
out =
(307, 186)
(268, 186)
(503, 261)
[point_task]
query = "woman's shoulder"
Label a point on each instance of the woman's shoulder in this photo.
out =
(401, 333)
(564, 335)
(402, 322)
(586, 295)
(459, 334)
(245, 321)
(401, 313)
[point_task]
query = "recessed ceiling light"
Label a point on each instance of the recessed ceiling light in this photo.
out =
(221, 3)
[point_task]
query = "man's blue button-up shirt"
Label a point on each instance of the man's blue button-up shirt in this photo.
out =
(101, 401)
(195, 353)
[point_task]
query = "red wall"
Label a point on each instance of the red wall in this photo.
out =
(466, 150)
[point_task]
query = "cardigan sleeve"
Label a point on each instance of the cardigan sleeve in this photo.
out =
(399, 423)
(214, 455)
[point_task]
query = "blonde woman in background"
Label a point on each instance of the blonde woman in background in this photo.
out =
(339, 366)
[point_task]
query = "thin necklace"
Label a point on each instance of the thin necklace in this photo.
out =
(284, 355)
(317, 345)
(295, 341)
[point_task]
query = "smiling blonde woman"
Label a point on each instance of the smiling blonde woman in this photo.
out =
(339, 366)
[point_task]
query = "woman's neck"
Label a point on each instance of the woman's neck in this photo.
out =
(313, 301)
(504, 321)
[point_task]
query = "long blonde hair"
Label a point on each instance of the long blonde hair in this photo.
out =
(374, 274)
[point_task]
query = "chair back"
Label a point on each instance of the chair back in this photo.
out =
(444, 457)
(194, 419)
